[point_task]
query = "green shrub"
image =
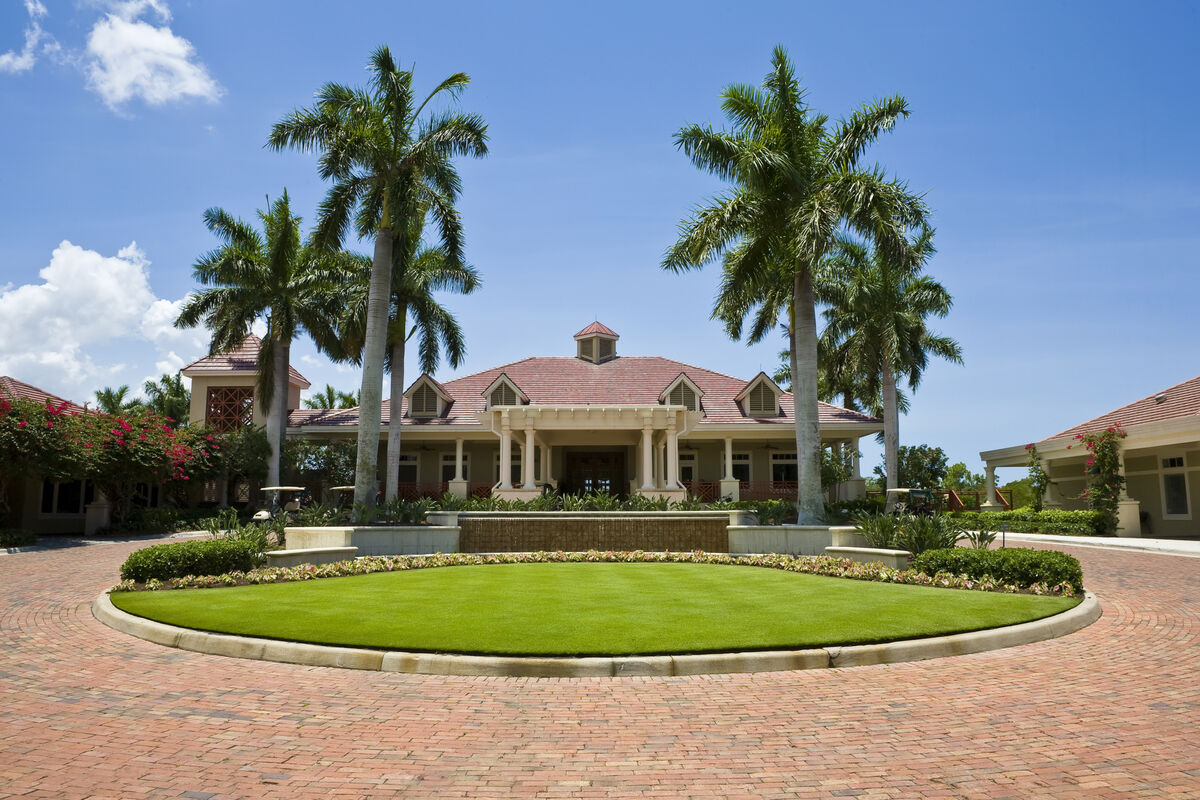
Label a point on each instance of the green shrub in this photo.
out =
(199, 557)
(916, 534)
(879, 529)
(1019, 566)
(847, 510)
(17, 537)
(1026, 520)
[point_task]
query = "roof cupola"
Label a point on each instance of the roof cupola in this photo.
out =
(596, 343)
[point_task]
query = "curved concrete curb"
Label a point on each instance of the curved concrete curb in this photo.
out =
(219, 644)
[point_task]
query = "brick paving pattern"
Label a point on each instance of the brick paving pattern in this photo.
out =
(1110, 711)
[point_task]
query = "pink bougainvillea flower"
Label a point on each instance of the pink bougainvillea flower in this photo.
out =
(21, 424)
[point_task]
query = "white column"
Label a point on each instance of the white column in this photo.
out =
(672, 457)
(527, 459)
(458, 459)
(505, 455)
(545, 463)
(990, 499)
(1124, 495)
(729, 459)
(647, 456)
(854, 459)
(659, 465)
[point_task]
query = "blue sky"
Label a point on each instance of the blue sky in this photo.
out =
(1054, 142)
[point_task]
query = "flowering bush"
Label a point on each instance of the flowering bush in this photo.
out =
(810, 565)
(32, 442)
(1104, 472)
(1039, 481)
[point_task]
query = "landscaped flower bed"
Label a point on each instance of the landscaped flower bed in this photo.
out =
(819, 565)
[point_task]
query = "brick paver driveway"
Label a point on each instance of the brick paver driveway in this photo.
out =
(1111, 711)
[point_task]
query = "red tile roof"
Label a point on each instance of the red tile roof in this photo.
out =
(1181, 400)
(597, 328)
(243, 359)
(13, 389)
(626, 380)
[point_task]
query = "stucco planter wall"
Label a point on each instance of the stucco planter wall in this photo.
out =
(848, 536)
(315, 555)
(378, 541)
(797, 540)
(896, 559)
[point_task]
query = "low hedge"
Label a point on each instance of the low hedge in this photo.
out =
(16, 537)
(199, 557)
(1026, 520)
(1018, 566)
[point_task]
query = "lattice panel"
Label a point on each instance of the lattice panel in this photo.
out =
(229, 408)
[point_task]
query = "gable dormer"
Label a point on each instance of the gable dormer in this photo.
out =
(760, 397)
(596, 343)
(682, 392)
(503, 392)
(426, 398)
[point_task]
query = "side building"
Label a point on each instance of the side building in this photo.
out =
(1160, 460)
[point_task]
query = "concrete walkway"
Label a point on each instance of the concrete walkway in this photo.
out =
(1178, 547)
(1111, 711)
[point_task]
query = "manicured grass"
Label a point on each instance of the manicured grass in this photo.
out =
(588, 609)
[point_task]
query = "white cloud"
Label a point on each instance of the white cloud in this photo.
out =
(75, 330)
(12, 61)
(128, 58)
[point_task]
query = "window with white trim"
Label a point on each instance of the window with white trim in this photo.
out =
(424, 402)
(761, 401)
(409, 468)
(741, 467)
(448, 460)
(784, 467)
(502, 395)
(687, 467)
(1175, 490)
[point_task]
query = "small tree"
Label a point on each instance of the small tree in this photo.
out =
(1105, 481)
(921, 467)
(1039, 479)
(959, 478)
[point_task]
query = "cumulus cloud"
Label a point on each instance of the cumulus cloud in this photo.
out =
(74, 330)
(23, 61)
(129, 58)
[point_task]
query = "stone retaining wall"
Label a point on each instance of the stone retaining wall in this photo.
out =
(627, 531)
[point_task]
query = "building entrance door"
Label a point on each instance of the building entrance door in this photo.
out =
(594, 472)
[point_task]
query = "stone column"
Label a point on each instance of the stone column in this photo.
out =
(1129, 511)
(990, 498)
(546, 463)
(1050, 498)
(647, 456)
(458, 487)
(730, 486)
(659, 465)
(527, 457)
(505, 455)
(672, 457)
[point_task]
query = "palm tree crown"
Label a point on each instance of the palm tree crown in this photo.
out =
(388, 165)
(796, 183)
(168, 398)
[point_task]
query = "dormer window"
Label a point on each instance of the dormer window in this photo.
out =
(503, 392)
(424, 402)
(760, 398)
(682, 392)
(596, 343)
(426, 398)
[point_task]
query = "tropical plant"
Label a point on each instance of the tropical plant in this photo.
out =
(796, 184)
(389, 166)
(878, 305)
(418, 271)
(1106, 484)
(329, 398)
(169, 398)
(269, 275)
(1039, 479)
(981, 539)
(116, 401)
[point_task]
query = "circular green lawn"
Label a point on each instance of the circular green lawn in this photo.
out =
(587, 609)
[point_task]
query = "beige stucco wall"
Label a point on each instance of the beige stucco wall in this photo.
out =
(201, 385)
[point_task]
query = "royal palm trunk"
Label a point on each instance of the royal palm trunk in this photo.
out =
(810, 504)
(276, 419)
(371, 390)
(891, 432)
(397, 400)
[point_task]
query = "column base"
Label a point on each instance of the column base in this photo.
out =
(517, 494)
(459, 488)
(98, 514)
(1129, 519)
(731, 490)
(673, 495)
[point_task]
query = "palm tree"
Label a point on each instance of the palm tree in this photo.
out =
(116, 401)
(269, 275)
(796, 184)
(169, 398)
(839, 380)
(876, 320)
(391, 166)
(418, 270)
(329, 398)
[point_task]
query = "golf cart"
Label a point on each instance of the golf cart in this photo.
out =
(911, 501)
(282, 500)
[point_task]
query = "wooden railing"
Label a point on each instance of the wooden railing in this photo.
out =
(417, 491)
(704, 491)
